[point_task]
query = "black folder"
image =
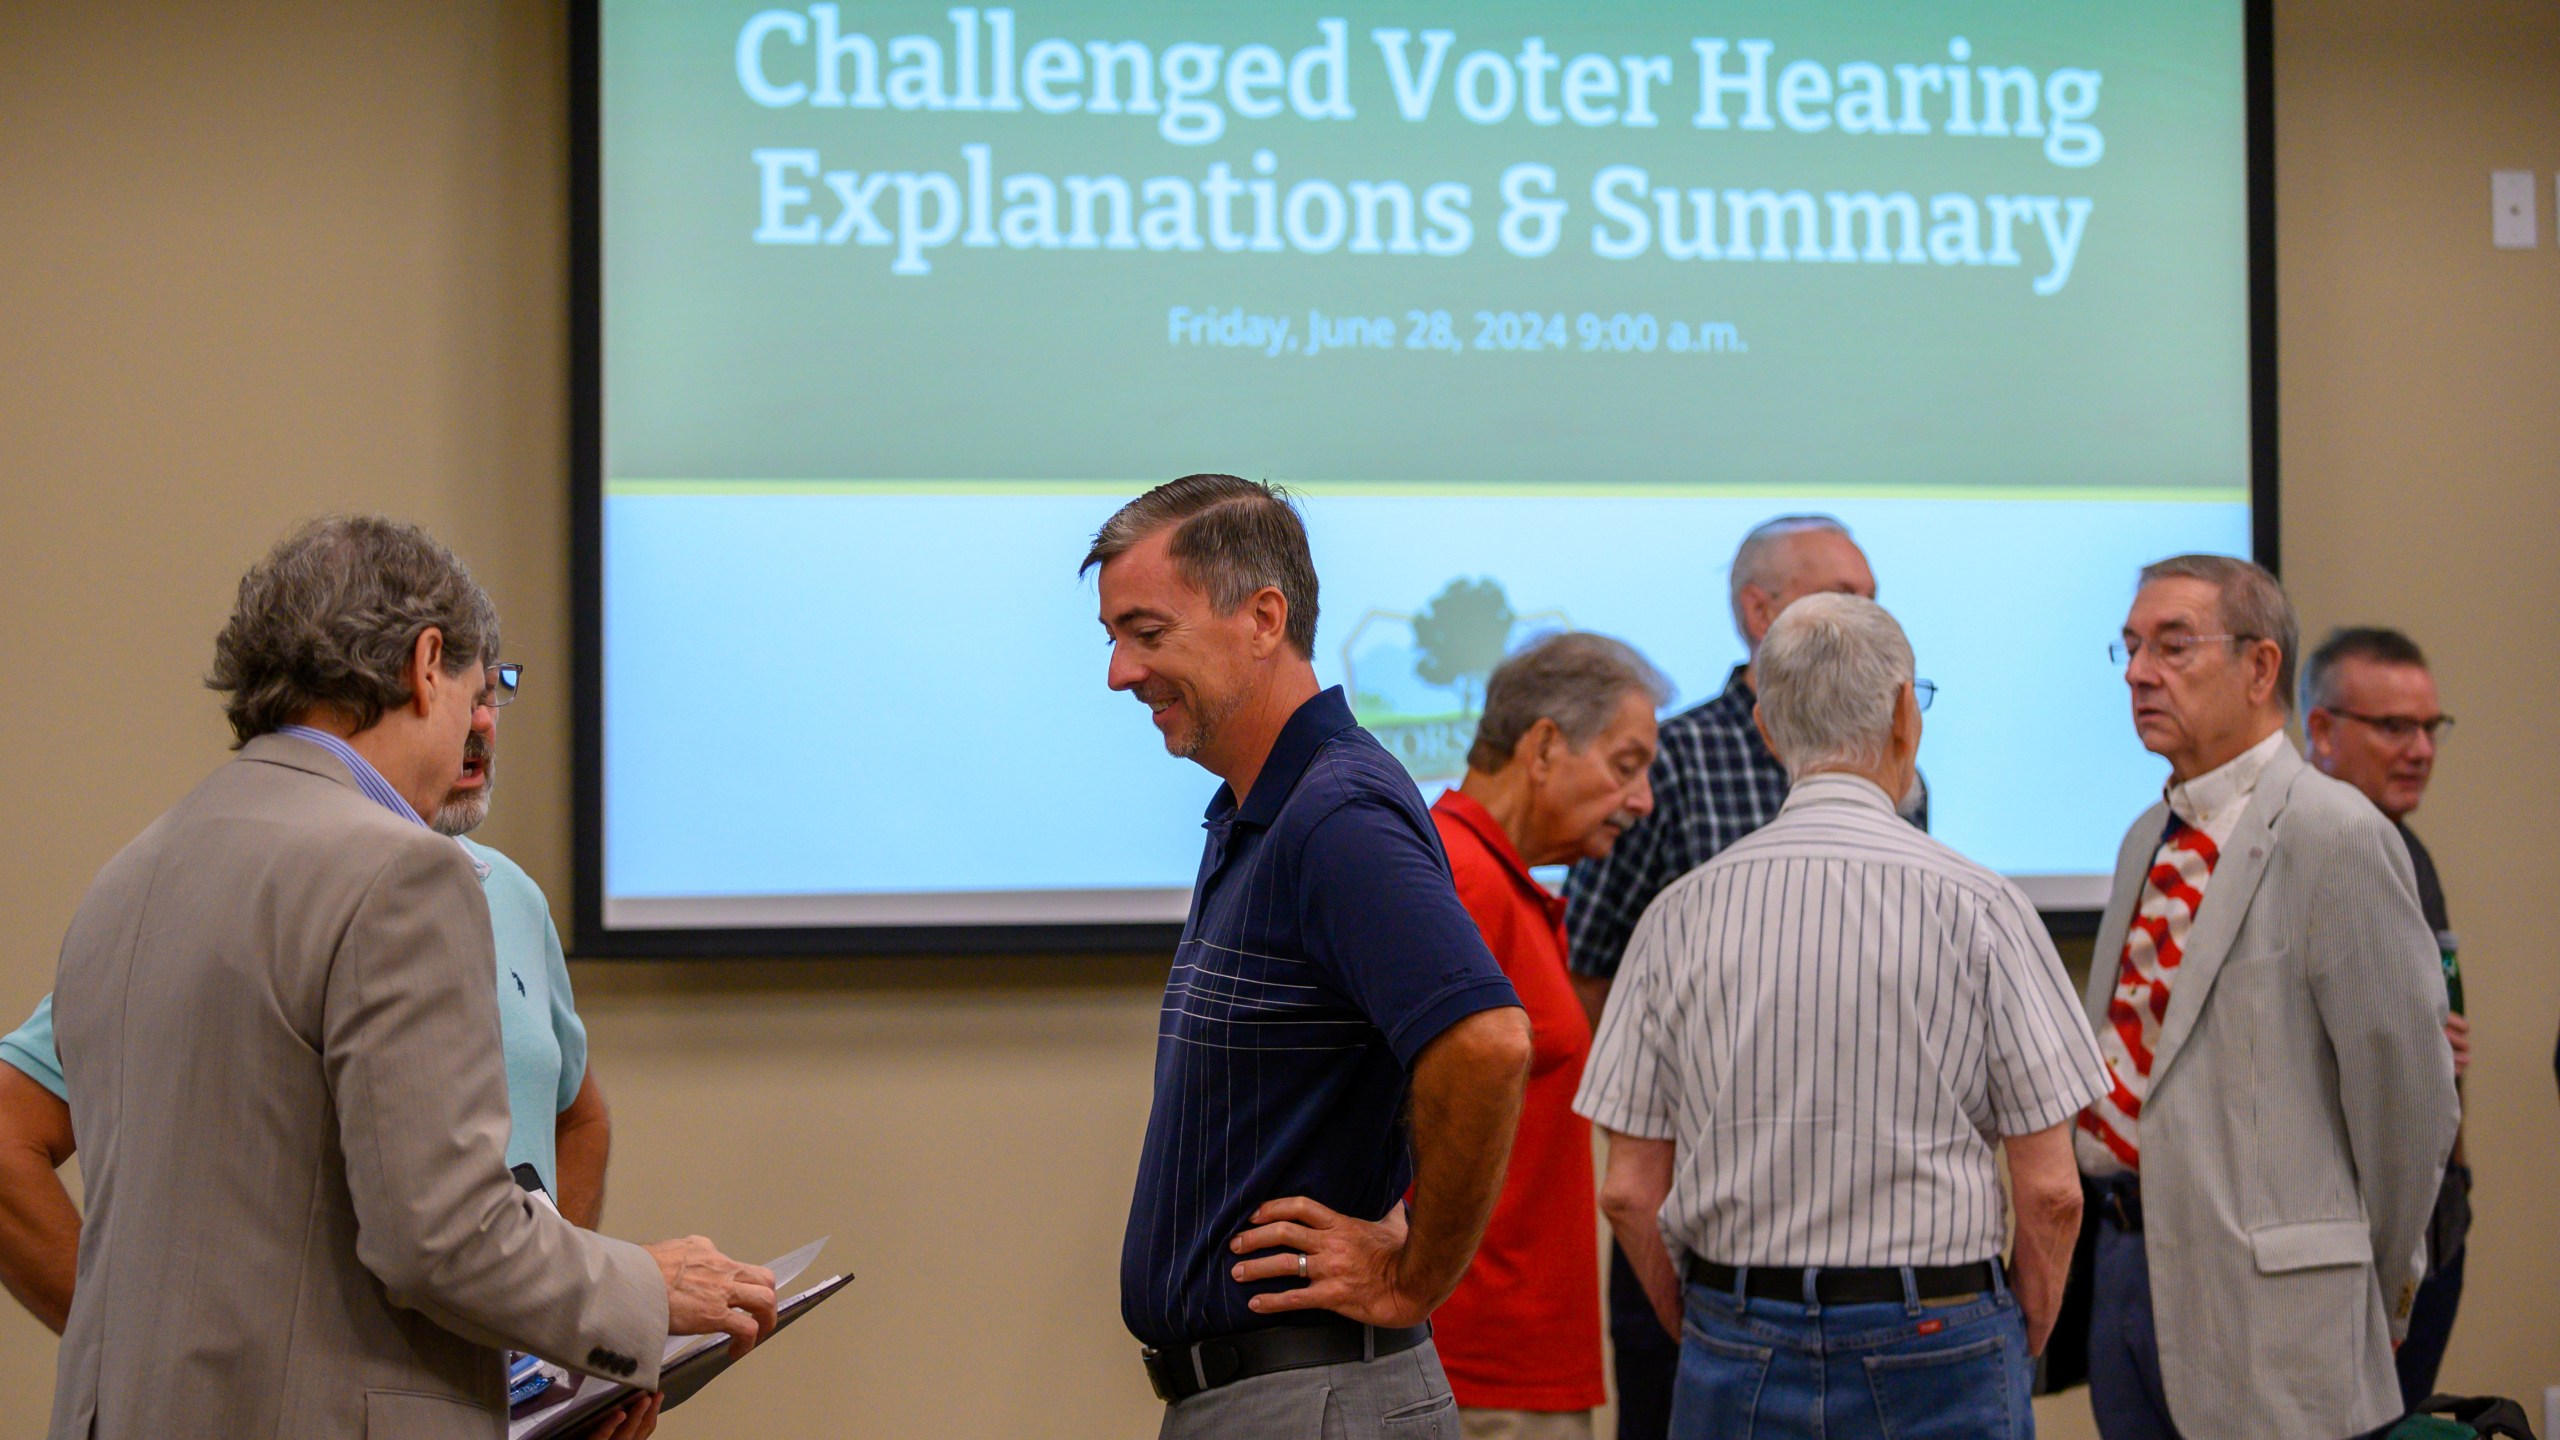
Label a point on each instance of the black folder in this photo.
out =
(678, 1382)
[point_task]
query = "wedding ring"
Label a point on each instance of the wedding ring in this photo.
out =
(1302, 1264)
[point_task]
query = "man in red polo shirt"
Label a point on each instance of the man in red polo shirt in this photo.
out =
(1558, 770)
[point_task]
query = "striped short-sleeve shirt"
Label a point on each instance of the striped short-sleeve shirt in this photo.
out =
(1835, 1019)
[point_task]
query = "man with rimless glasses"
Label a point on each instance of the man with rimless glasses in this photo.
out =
(2370, 713)
(2270, 1006)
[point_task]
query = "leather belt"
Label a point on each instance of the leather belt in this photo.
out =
(1225, 1359)
(1879, 1285)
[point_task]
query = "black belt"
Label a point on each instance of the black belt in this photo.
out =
(1225, 1359)
(1858, 1285)
(2120, 1201)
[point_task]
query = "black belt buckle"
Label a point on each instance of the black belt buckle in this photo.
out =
(1181, 1374)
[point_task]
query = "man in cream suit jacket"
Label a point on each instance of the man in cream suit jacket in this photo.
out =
(2270, 1007)
(277, 1016)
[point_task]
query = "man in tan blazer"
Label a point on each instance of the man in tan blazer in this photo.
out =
(2270, 1008)
(277, 1016)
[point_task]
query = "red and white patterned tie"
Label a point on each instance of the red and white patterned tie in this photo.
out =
(2153, 946)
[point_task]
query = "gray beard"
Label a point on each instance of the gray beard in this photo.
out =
(461, 815)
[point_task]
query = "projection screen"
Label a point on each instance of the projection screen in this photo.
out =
(881, 309)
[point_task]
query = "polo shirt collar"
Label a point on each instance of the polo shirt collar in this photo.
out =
(1321, 718)
(1834, 787)
(1467, 810)
(1470, 812)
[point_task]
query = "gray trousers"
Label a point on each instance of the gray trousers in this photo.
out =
(1399, 1397)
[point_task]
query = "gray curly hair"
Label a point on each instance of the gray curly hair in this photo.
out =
(1575, 678)
(329, 619)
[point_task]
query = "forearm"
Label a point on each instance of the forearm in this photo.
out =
(1593, 992)
(39, 1234)
(1467, 1088)
(2045, 1193)
(2048, 1229)
(39, 1226)
(1631, 1196)
(583, 1144)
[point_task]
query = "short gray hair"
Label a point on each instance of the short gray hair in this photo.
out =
(329, 619)
(1235, 537)
(1755, 562)
(1577, 679)
(1829, 672)
(2252, 604)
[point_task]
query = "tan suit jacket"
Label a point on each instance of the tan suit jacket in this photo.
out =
(278, 1021)
(2300, 1112)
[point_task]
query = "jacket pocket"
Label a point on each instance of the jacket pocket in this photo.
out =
(2310, 1245)
(402, 1414)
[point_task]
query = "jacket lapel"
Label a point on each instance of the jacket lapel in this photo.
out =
(2133, 865)
(2226, 905)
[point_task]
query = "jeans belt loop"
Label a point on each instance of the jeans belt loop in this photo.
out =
(1742, 1287)
(1910, 1291)
(1812, 1278)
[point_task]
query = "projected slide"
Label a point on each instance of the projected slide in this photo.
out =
(1538, 307)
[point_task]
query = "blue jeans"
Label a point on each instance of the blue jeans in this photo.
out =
(1897, 1371)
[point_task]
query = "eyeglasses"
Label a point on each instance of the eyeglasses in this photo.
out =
(498, 686)
(1924, 691)
(2173, 651)
(2400, 729)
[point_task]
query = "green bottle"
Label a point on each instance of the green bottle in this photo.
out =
(2452, 949)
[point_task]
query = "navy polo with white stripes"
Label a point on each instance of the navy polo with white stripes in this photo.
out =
(1325, 949)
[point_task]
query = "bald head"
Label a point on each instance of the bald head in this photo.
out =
(1783, 560)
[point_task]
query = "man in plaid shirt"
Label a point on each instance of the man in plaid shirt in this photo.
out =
(1714, 781)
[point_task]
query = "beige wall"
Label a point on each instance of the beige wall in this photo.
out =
(308, 255)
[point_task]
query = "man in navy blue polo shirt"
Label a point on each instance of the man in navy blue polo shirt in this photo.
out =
(1327, 976)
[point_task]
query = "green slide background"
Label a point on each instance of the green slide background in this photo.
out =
(732, 362)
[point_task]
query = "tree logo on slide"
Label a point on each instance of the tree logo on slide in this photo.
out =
(1417, 680)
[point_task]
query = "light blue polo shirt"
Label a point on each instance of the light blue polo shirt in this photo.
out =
(537, 1017)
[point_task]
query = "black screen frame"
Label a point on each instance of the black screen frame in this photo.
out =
(592, 939)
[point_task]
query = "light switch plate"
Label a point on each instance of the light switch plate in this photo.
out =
(2511, 210)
